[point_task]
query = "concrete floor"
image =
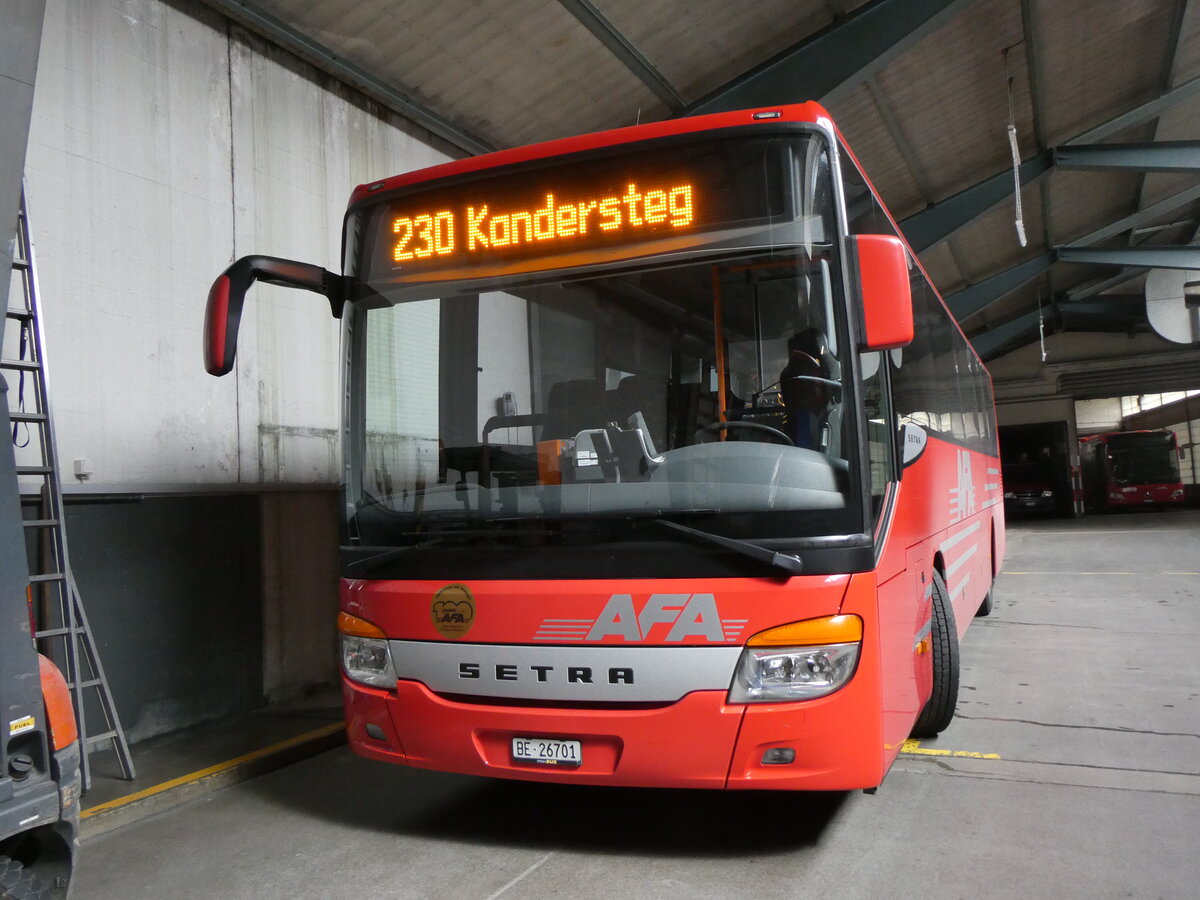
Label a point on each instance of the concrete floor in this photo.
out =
(1072, 770)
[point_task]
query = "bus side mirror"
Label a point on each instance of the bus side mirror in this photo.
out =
(879, 277)
(223, 315)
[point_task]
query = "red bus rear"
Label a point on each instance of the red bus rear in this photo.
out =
(665, 464)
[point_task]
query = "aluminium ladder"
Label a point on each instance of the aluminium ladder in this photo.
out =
(61, 630)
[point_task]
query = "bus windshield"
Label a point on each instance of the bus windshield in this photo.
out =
(602, 394)
(1144, 458)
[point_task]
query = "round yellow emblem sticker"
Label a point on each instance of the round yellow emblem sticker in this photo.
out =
(453, 610)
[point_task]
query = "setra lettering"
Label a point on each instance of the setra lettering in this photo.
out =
(542, 673)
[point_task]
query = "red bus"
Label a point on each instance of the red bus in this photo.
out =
(1131, 468)
(665, 464)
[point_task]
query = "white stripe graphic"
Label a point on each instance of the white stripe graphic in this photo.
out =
(961, 536)
(958, 590)
(962, 560)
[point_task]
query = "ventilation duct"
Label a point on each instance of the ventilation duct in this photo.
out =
(1117, 380)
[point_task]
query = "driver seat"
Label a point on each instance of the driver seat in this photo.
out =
(806, 403)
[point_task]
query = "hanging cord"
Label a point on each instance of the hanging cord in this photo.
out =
(1016, 154)
(16, 426)
(1041, 325)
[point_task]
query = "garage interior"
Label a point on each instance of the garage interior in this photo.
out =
(1041, 157)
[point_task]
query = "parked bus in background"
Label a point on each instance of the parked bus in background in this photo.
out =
(1131, 468)
(665, 464)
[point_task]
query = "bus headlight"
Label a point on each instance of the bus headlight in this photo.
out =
(365, 654)
(771, 671)
(781, 674)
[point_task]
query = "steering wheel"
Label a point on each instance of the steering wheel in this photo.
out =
(751, 426)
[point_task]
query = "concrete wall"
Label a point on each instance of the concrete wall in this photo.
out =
(165, 142)
(1094, 416)
(179, 639)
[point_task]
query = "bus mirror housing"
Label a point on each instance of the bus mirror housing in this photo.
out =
(227, 295)
(879, 275)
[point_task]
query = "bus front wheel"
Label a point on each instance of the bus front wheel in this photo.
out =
(943, 638)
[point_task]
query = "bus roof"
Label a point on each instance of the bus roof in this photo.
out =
(800, 112)
(1107, 435)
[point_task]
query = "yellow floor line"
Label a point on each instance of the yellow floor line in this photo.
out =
(914, 748)
(212, 770)
(1151, 574)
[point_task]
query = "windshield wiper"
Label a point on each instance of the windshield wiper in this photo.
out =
(789, 562)
(370, 563)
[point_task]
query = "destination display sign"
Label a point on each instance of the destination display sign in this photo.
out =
(569, 206)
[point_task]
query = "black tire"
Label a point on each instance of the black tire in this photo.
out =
(986, 607)
(944, 640)
(16, 883)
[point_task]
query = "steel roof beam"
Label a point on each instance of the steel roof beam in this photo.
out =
(978, 297)
(1140, 114)
(944, 219)
(1170, 65)
(1119, 310)
(395, 97)
(1185, 257)
(620, 47)
(1100, 285)
(1146, 214)
(1162, 156)
(829, 64)
(1107, 303)
(1037, 79)
(989, 344)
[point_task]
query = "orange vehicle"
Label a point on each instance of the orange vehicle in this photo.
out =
(40, 748)
(665, 464)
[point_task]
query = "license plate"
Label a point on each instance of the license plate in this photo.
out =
(547, 751)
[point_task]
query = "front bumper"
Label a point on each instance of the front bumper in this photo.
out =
(699, 741)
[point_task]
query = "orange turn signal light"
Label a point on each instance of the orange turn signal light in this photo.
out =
(353, 625)
(810, 632)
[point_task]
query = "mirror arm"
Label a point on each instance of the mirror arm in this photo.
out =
(288, 273)
(228, 295)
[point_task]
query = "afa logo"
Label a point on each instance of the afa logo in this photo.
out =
(962, 496)
(453, 611)
(670, 618)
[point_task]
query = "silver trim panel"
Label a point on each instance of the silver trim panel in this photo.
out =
(601, 674)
